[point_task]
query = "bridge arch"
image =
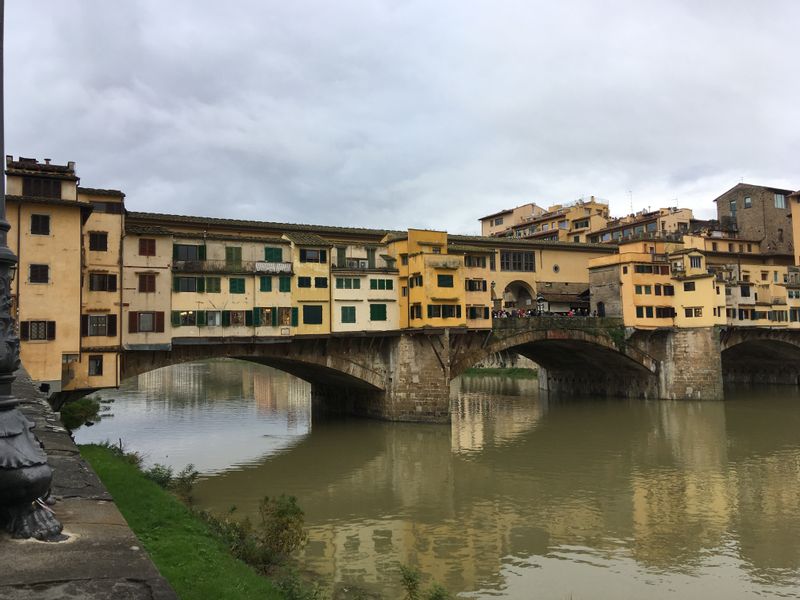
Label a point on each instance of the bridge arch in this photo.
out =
(572, 359)
(760, 355)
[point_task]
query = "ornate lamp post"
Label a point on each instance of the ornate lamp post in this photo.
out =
(25, 475)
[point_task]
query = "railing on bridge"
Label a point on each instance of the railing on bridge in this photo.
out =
(223, 266)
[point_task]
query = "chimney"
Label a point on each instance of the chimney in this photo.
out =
(47, 161)
(71, 165)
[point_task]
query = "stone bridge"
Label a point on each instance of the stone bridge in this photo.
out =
(405, 375)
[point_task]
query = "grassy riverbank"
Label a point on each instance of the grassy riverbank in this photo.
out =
(194, 561)
(514, 373)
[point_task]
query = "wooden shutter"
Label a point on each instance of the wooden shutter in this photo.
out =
(201, 284)
(175, 284)
(111, 325)
(176, 318)
(226, 318)
(248, 318)
(84, 325)
(112, 283)
(323, 256)
(25, 330)
(174, 251)
(486, 312)
(133, 322)
(201, 252)
(274, 316)
(201, 318)
(483, 286)
(160, 322)
(294, 316)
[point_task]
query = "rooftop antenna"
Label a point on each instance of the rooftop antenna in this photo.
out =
(630, 195)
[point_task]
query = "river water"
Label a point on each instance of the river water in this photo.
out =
(521, 496)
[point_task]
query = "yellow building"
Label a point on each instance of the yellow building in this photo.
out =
(644, 224)
(502, 221)
(571, 222)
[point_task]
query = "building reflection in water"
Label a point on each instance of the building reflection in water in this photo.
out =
(520, 492)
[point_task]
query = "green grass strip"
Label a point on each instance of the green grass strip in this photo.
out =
(514, 373)
(196, 564)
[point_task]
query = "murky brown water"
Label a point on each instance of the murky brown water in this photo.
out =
(520, 497)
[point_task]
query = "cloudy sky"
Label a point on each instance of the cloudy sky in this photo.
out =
(391, 113)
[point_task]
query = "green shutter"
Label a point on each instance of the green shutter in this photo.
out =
(285, 283)
(274, 314)
(176, 318)
(266, 283)
(257, 317)
(248, 318)
(201, 284)
(341, 258)
(175, 284)
(377, 312)
(294, 316)
(201, 252)
(373, 284)
(226, 318)
(174, 251)
(201, 318)
(339, 283)
(356, 283)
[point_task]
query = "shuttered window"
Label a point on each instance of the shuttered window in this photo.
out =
(348, 314)
(237, 285)
(285, 283)
(273, 254)
(312, 314)
(147, 247)
(265, 283)
(147, 283)
(377, 312)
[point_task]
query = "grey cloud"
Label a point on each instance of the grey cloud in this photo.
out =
(398, 114)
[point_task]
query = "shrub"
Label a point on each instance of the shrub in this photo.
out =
(79, 412)
(161, 474)
(183, 483)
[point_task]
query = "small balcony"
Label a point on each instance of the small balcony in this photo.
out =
(223, 266)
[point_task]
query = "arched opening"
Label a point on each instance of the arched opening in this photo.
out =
(761, 361)
(519, 294)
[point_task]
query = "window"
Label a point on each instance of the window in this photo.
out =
(348, 314)
(415, 281)
(147, 247)
(185, 284)
(733, 208)
(744, 291)
(188, 252)
(39, 274)
(475, 261)
(478, 312)
(652, 227)
(475, 285)
(664, 312)
(147, 321)
(580, 224)
(236, 285)
(434, 311)
(40, 224)
(444, 281)
(98, 241)
(404, 259)
(312, 314)
(640, 312)
(320, 282)
(658, 290)
(693, 312)
(688, 286)
(624, 270)
(638, 289)
(213, 318)
(416, 311)
(273, 254)
(780, 201)
(102, 282)
(265, 283)
(238, 318)
(213, 285)
(98, 325)
(41, 188)
(313, 256)
(748, 202)
(669, 290)
(450, 311)
(517, 261)
(284, 283)
(95, 364)
(498, 221)
(287, 316)
(381, 284)
(648, 312)
(37, 330)
(377, 312)
(304, 282)
(348, 283)
(233, 256)
(695, 262)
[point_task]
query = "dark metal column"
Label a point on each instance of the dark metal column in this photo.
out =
(25, 476)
